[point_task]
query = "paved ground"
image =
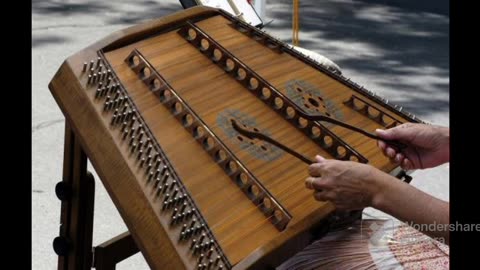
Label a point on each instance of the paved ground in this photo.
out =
(398, 50)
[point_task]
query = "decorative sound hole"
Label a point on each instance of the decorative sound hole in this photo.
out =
(217, 55)
(353, 158)
(192, 34)
(312, 99)
(204, 44)
(310, 102)
(313, 102)
(229, 65)
(187, 120)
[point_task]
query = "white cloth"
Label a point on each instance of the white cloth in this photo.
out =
(320, 59)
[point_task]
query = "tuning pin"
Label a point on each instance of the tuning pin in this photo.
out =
(192, 245)
(113, 118)
(139, 155)
(164, 170)
(124, 134)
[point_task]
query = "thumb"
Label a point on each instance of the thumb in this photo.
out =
(319, 159)
(396, 133)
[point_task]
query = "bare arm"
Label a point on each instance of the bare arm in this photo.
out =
(351, 185)
(412, 205)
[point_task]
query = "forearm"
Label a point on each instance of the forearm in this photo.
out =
(411, 205)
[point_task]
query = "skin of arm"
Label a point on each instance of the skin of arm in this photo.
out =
(351, 186)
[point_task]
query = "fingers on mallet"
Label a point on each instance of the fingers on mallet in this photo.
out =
(323, 196)
(382, 145)
(319, 196)
(319, 158)
(309, 183)
(391, 152)
(399, 158)
(314, 170)
(406, 164)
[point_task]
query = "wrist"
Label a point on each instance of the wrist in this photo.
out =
(379, 186)
(446, 149)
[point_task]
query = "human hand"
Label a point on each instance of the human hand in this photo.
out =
(428, 146)
(349, 185)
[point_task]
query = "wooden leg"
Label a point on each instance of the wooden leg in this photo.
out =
(115, 250)
(76, 191)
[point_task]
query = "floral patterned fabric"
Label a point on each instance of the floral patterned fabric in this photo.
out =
(372, 244)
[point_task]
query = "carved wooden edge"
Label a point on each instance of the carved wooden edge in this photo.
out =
(151, 28)
(269, 94)
(232, 166)
(94, 136)
(290, 242)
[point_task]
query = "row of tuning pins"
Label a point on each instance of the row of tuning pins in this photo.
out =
(174, 202)
(165, 186)
(97, 72)
(118, 103)
(201, 246)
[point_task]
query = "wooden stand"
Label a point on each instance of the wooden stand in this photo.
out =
(76, 191)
